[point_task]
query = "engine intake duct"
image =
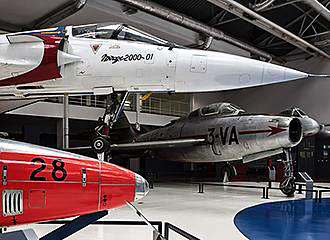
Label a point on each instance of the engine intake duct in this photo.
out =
(295, 131)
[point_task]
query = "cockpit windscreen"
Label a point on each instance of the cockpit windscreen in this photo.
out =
(210, 109)
(293, 112)
(117, 32)
(222, 109)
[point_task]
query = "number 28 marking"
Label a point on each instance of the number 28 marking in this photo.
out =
(58, 165)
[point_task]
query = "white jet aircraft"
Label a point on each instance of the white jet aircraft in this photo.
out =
(103, 58)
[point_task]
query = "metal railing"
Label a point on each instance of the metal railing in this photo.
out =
(202, 184)
(265, 189)
(159, 224)
(169, 226)
(152, 105)
(86, 101)
(165, 107)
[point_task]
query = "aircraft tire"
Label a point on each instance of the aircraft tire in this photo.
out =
(100, 145)
(289, 189)
(229, 170)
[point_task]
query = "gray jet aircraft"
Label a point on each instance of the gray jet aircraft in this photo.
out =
(220, 132)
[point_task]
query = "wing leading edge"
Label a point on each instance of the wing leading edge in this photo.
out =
(157, 144)
(150, 145)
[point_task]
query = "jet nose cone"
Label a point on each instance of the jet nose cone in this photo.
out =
(274, 73)
(310, 126)
(141, 187)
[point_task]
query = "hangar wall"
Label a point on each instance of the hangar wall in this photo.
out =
(311, 95)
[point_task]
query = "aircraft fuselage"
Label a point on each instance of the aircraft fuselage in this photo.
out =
(92, 60)
(242, 137)
(42, 184)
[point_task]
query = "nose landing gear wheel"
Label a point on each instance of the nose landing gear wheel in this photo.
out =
(100, 145)
(288, 186)
(228, 172)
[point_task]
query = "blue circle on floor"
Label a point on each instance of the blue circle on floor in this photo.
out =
(295, 219)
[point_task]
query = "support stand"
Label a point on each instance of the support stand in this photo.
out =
(309, 184)
(156, 234)
(74, 226)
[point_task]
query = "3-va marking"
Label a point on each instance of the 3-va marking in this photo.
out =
(222, 136)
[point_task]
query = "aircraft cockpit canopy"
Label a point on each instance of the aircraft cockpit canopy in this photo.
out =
(117, 32)
(293, 112)
(220, 109)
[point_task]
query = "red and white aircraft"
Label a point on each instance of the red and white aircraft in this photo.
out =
(102, 58)
(41, 184)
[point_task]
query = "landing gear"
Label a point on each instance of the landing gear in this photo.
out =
(228, 171)
(100, 145)
(114, 107)
(287, 185)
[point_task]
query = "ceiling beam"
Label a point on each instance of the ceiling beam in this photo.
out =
(265, 38)
(269, 26)
(192, 24)
(261, 6)
(308, 13)
(276, 6)
(318, 7)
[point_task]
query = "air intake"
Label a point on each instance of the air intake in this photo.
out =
(295, 131)
(12, 202)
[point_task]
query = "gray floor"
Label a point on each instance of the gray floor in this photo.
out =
(206, 216)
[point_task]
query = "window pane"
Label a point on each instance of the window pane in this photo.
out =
(194, 114)
(227, 110)
(211, 109)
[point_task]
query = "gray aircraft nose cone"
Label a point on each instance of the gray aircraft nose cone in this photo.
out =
(141, 187)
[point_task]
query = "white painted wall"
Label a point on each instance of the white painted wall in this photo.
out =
(55, 110)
